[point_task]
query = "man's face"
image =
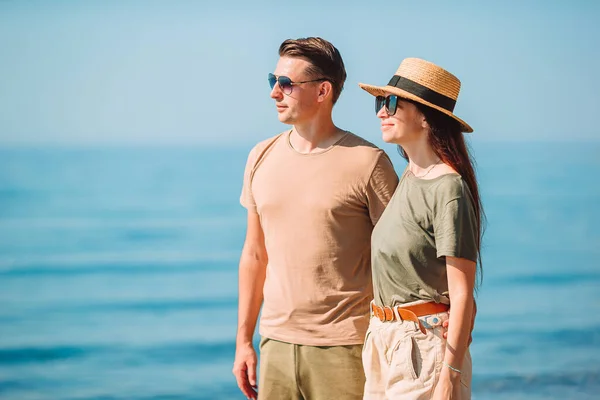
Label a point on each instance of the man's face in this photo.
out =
(301, 104)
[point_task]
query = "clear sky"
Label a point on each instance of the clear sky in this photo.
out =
(192, 72)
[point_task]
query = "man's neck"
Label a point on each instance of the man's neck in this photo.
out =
(315, 135)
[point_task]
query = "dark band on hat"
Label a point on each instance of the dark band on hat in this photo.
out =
(423, 92)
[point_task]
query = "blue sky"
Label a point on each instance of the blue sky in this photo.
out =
(183, 72)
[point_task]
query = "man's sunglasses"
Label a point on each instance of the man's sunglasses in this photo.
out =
(286, 84)
(390, 102)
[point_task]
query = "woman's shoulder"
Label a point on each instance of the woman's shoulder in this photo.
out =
(450, 186)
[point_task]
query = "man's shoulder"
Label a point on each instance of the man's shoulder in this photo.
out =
(361, 149)
(353, 140)
(262, 148)
(263, 145)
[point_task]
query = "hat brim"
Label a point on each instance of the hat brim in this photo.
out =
(384, 90)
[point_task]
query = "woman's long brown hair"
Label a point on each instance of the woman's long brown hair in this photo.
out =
(448, 143)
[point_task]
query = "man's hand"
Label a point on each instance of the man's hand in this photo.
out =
(446, 323)
(244, 369)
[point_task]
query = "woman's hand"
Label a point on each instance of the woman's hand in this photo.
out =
(446, 323)
(448, 386)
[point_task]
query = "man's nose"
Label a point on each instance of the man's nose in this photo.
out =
(276, 92)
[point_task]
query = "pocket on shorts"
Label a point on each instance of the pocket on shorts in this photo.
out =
(366, 342)
(417, 356)
(263, 342)
(415, 360)
(400, 360)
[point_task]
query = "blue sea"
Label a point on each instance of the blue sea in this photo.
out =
(118, 272)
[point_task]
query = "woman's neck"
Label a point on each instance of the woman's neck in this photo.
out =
(421, 156)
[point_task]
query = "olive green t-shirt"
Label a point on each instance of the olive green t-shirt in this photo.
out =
(425, 221)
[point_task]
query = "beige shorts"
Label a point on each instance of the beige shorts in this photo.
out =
(297, 372)
(401, 362)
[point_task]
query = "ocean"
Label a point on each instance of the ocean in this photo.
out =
(118, 272)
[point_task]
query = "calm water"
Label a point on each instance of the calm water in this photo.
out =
(118, 273)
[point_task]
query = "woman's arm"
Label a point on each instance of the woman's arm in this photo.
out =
(461, 280)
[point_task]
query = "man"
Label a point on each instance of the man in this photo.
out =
(313, 194)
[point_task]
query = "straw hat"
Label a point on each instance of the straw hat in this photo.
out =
(425, 83)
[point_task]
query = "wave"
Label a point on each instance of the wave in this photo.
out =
(556, 279)
(76, 223)
(128, 263)
(587, 336)
(584, 380)
(25, 355)
(131, 269)
(197, 353)
(153, 306)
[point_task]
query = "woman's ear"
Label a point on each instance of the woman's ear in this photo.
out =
(424, 123)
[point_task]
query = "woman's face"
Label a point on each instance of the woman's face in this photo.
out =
(407, 123)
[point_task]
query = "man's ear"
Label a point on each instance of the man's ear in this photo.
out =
(325, 90)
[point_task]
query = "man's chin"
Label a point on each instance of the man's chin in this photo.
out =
(285, 119)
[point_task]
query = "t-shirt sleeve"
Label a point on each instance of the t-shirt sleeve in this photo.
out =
(455, 229)
(381, 186)
(247, 198)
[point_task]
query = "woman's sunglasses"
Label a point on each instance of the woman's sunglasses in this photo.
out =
(286, 84)
(390, 102)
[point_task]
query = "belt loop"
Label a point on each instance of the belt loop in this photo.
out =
(371, 308)
(397, 314)
(421, 327)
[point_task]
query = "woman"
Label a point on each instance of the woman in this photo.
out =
(425, 247)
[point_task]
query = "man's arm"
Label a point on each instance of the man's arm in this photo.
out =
(381, 186)
(252, 270)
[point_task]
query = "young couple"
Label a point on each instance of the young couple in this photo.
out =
(355, 268)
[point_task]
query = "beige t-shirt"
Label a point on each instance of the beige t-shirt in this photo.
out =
(317, 212)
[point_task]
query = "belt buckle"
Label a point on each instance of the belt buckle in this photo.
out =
(431, 321)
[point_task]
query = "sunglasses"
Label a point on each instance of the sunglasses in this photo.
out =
(390, 102)
(286, 84)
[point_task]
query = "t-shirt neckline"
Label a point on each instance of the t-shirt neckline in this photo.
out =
(316, 153)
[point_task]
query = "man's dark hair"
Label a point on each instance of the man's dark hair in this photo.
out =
(326, 61)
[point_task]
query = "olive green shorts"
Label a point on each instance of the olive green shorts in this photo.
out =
(298, 372)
